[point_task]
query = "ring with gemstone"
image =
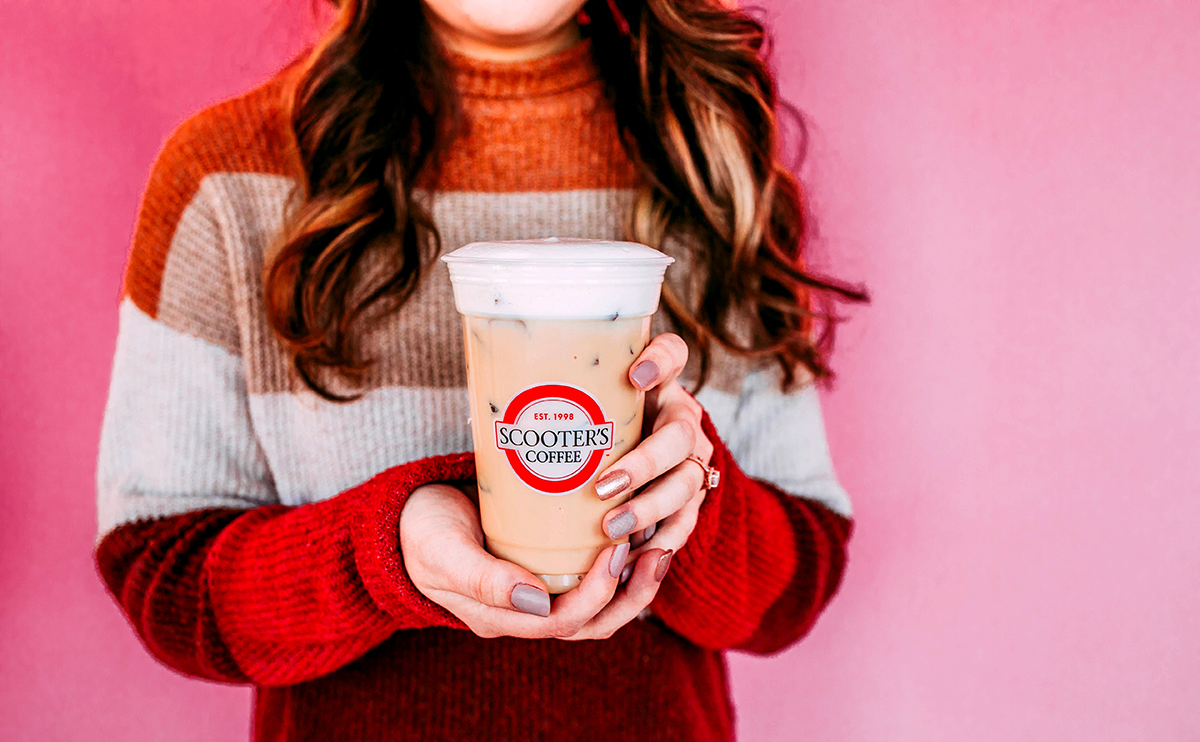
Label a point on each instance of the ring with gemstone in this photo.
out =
(712, 476)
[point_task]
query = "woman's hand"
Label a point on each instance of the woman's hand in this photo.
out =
(442, 545)
(663, 515)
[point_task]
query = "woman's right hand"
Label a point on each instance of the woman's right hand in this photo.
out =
(442, 545)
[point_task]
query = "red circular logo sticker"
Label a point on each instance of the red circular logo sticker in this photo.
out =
(554, 436)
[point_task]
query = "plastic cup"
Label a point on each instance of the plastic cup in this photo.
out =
(551, 328)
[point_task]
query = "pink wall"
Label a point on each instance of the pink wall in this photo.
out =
(1018, 182)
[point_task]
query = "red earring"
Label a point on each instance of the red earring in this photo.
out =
(618, 18)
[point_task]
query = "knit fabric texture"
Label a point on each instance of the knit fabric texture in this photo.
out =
(248, 528)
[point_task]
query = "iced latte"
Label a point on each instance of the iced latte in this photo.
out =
(551, 329)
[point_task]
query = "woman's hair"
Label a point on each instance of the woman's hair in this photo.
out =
(698, 113)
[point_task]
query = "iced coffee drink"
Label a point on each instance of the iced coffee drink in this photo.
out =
(551, 329)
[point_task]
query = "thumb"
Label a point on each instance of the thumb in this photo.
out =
(476, 574)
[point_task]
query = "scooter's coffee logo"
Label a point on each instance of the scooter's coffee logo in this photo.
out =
(555, 436)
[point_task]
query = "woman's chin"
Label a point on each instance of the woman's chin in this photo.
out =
(467, 24)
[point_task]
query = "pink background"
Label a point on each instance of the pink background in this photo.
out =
(1017, 416)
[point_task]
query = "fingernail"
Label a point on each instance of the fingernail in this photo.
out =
(645, 374)
(612, 483)
(642, 536)
(529, 599)
(620, 526)
(625, 574)
(616, 562)
(664, 563)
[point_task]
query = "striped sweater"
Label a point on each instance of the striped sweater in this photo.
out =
(248, 529)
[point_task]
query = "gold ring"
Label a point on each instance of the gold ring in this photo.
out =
(712, 476)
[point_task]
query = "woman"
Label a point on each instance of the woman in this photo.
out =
(284, 478)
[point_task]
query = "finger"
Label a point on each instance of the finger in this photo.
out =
(665, 496)
(660, 362)
(569, 612)
(638, 538)
(672, 532)
(572, 610)
(663, 397)
(465, 568)
(684, 406)
(674, 437)
(672, 402)
(639, 592)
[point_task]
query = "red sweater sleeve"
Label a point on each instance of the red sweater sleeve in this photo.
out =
(759, 567)
(275, 595)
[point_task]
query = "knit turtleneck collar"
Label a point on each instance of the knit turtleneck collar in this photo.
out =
(555, 73)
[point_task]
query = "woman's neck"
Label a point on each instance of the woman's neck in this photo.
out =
(501, 49)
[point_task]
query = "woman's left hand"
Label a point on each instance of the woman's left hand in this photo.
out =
(664, 514)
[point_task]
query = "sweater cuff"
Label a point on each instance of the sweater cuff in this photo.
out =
(376, 535)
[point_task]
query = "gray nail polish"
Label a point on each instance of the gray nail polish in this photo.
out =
(617, 562)
(621, 525)
(529, 599)
(649, 532)
(645, 373)
(626, 574)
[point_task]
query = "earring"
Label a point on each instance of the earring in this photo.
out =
(618, 18)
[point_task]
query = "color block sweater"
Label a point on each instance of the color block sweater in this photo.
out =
(248, 529)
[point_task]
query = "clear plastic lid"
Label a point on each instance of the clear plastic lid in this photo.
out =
(557, 279)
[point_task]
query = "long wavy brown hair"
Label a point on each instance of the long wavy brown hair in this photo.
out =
(698, 113)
